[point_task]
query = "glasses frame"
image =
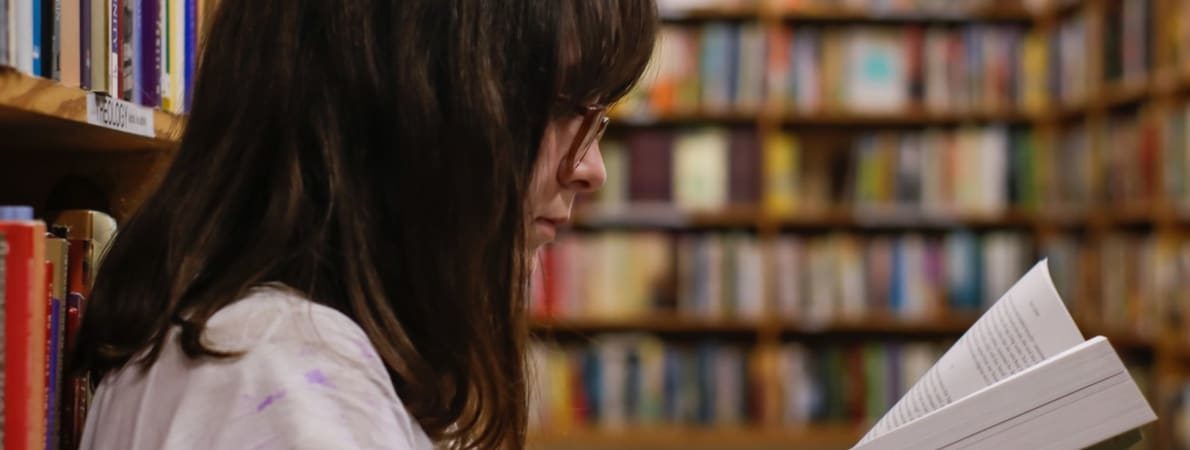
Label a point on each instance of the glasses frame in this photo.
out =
(595, 122)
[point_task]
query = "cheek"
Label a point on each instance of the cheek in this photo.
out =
(543, 184)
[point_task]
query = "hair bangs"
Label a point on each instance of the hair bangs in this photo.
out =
(606, 48)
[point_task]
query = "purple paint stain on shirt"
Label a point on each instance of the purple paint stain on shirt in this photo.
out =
(269, 399)
(366, 349)
(317, 377)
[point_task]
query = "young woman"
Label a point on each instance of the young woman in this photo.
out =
(338, 256)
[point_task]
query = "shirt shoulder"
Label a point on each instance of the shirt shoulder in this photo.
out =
(305, 376)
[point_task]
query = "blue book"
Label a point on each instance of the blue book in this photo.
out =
(55, 373)
(37, 63)
(592, 376)
(897, 285)
(191, 39)
(705, 376)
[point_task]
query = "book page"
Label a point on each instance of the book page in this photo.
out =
(1027, 325)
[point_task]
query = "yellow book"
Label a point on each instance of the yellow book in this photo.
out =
(1035, 65)
(173, 99)
(780, 174)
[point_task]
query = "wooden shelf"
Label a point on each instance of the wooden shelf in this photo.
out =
(36, 113)
(912, 118)
(903, 119)
(842, 16)
(1060, 8)
(667, 323)
(750, 217)
(690, 118)
(703, 15)
(657, 323)
(953, 326)
(900, 220)
(1123, 94)
(689, 438)
(666, 217)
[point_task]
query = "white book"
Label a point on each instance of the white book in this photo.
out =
(1021, 377)
(876, 72)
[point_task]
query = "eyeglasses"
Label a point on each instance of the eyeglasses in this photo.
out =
(594, 125)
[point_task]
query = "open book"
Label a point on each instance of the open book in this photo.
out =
(1021, 377)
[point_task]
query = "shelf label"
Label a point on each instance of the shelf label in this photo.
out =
(108, 112)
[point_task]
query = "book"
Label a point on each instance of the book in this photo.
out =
(25, 329)
(1021, 377)
(70, 56)
(89, 234)
(3, 317)
(100, 53)
(57, 255)
(115, 80)
(189, 32)
(36, 7)
(149, 53)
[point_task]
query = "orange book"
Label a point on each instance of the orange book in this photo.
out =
(24, 326)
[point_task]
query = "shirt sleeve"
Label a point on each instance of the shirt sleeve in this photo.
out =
(302, 390)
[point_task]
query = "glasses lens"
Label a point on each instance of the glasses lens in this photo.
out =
(594, 132)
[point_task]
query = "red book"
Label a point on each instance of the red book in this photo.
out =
(24, 340)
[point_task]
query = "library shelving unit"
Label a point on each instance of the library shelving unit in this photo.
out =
(52, 154)
(51, 157)
(1161, 351)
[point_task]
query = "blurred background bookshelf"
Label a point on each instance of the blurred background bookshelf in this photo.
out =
(807, 201)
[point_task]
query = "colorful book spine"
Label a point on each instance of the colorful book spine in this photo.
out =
(52, 29)
(126, 43)
(190, 33)
(70, 32)
(25, 337)
(149, 53)
(99, 37)
(4, 251)
(86, 56)
(35, 7)
(133, 59)
(57, 256)
(116, 58)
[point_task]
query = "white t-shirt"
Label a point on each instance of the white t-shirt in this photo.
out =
(309, 379)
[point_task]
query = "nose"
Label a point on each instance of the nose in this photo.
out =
(589, 175)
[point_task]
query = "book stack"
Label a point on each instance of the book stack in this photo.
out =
(1143, 283)
(633, 275)
(941, 173)
(142, 51)
(631, 381)
(853, 383)
(1175, 156)
(817, 69)
(620, 381)
(1176, 41)
(708, 69)
(686, 169)
(1127, 41)
(850, 278)
(45, 278)
(1069, 77)
(1131, 152)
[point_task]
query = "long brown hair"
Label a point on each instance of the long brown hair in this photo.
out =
(375, 156)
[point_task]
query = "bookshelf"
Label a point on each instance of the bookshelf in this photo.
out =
(826, 437)
(46, 138)
(32, 107)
